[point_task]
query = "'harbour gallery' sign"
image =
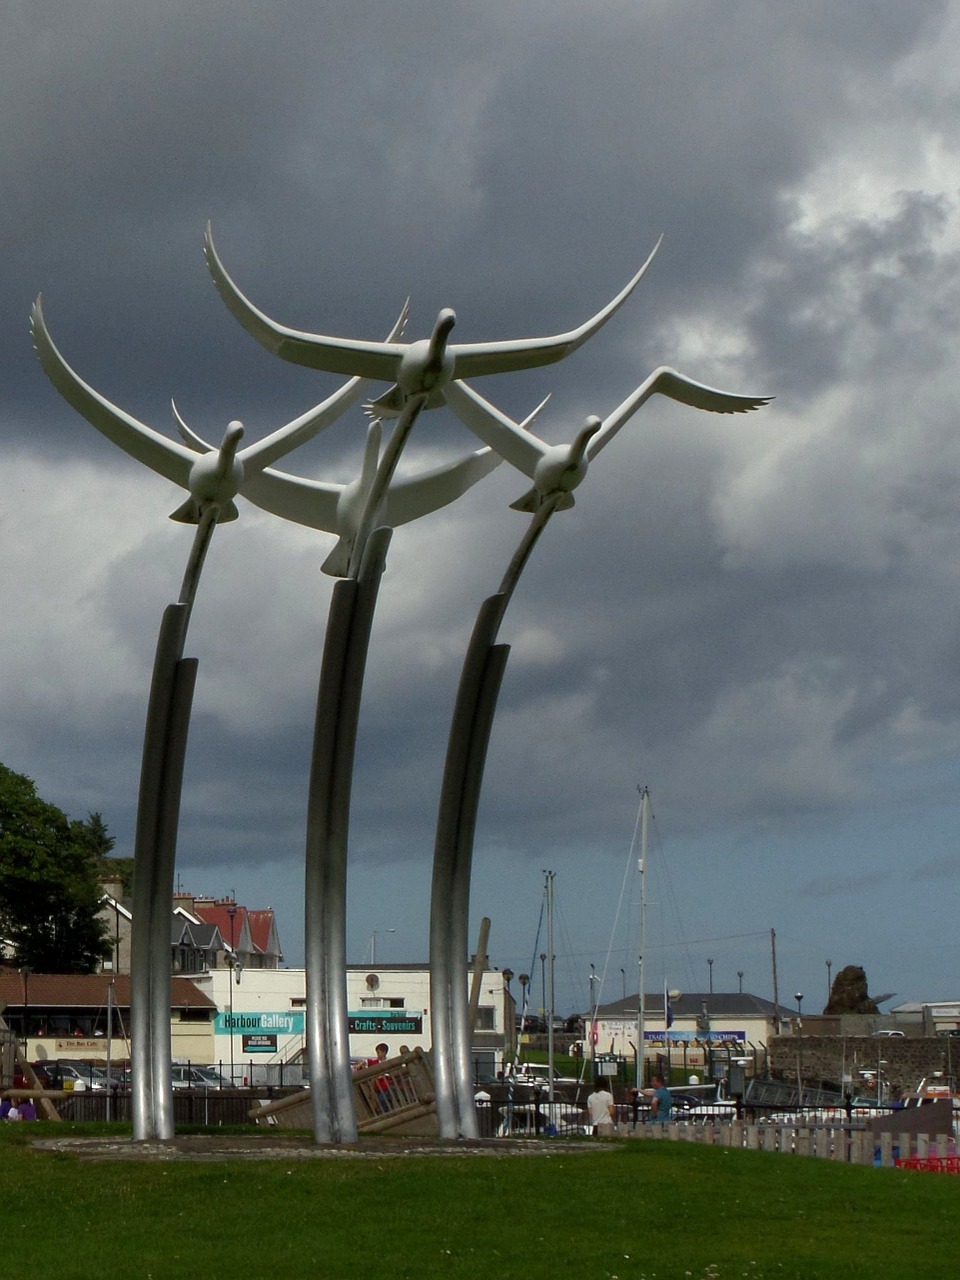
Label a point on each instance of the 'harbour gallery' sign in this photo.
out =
(253, 1026)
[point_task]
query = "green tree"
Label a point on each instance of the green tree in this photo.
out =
(49, 881)
(111, 868)
(102, 839)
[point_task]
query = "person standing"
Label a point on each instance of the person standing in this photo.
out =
(381, 1084)
(601, 1110)
(661, 1103)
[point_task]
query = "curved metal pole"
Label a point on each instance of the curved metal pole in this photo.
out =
(197, 556)
(470, 728)
(161, 774)
(178, 725)
(328, 817)
(386, 467)
(155, 850)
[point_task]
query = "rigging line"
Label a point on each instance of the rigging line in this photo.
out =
(631, 854)
(536, 941)
(728, 937)
(565, 950)
(671, 894)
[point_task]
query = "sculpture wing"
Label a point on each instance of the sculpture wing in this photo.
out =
(166, 457)
(380, 360)
(667, 382)
(474, 359)
(280, 442)
(308, 502)
(512, 442)
(187, 433)
(411, 497)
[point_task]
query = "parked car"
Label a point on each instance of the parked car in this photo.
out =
(692, 1107)
(70, 1074)
(525, 1119)
(536, 1073)
(192, 1077)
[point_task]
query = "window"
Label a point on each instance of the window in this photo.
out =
(485, 1018)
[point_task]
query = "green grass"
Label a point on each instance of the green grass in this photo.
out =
(640, 1210)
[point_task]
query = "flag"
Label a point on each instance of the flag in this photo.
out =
(667, 1008)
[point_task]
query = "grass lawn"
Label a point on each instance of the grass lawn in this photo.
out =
(638, 1210)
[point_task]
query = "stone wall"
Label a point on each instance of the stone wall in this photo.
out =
(904, 1060)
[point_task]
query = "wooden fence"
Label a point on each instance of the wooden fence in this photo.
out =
(852, 1144)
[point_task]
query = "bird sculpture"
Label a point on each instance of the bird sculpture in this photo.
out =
(343, 509)
(351, 511)
(218, 475)
(556, 470)
(425, 367)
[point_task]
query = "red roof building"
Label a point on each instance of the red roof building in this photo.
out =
(251, 935)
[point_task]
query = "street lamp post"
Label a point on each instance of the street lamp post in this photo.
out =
(829, 986)
(594, 977)
(710, 964)
(524, 981)
(232, 913)
(799, 999)
(26, 971)
(740, 981)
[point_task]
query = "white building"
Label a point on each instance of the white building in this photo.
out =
(695, 1023)
(261, 1014)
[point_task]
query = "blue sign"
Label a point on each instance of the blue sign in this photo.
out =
(389, 1022)
(688, 1037)
(284, 1024)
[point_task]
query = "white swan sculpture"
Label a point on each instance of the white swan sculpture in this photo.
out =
(218, 475)
(343, 509)
(415, 368)
(556, 470)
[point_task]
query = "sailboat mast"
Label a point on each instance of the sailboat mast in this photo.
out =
(550, 997)
(642, 867)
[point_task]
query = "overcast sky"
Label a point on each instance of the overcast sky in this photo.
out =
(758, 617)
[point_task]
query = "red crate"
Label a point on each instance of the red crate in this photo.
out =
(931, 1164)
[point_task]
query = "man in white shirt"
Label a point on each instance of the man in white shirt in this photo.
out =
(601, 1110)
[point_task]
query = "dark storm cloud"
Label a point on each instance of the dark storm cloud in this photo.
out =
(757, 613)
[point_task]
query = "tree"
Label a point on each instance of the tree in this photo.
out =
(49, 881)
(103, 841)
(849, 992)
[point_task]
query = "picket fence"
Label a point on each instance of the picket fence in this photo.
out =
(852, 1144)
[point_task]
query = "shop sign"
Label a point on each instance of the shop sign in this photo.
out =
(390, 1022)
(285, 1024)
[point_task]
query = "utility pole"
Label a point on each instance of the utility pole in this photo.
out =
(776, 997)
